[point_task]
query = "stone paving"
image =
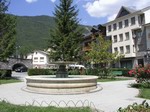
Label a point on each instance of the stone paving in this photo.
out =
(109, 99)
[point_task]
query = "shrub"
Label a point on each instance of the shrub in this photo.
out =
(5, 73)
(41, 72)
(144, 107)
(91, 71)
(73, 72)
(141, 73)
(141, 85)
(101, 72)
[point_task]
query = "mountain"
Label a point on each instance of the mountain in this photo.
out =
(33, 32)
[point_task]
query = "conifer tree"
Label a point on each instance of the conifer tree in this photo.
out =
(7, 31)
(66, 36)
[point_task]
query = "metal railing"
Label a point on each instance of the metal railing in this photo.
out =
(61, 103)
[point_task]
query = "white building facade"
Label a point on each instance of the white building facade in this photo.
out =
(130, 35)
(40, 59)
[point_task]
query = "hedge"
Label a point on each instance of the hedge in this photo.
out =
(41, 72)
(73, 72)
(5, 73)
(32, 72)
(97, 72)
(105, 71)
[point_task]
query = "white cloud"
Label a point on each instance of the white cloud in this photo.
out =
(31, 1)
(110, 8)
(53, 1)
(84, 22)
(110, 18)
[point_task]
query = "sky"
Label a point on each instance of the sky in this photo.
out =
(91, 12)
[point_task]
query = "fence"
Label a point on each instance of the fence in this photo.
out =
(61, 103)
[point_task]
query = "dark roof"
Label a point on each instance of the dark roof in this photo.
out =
(130, 9)
(125, 11)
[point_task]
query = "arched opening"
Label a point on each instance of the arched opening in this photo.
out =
(17, 65)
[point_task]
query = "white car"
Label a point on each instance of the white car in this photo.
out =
(73, 66)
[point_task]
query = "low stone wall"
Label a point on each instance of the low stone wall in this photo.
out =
(51, 85)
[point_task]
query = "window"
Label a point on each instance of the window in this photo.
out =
(109, 28)
(114, 26)
(127, 35)
(121, 50)
(126, 23)
(140, 47)
(133, 21)
(41, 59)
(141, 19)
(35, 59)
(126, 64)
(115, 38)
(115, 49)
(120, 24)
(127, 49)
(121, 37)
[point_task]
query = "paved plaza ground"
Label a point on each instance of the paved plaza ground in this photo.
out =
(109, 99)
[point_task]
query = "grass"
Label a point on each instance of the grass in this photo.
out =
(145, 93)
(7, 107)
(113, 79)
(144, 89)
(8, 80)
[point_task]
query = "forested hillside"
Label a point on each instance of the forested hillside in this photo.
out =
(33, 32)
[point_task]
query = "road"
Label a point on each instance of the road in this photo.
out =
(19, 75)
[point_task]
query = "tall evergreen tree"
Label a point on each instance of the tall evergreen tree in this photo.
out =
(66, 36)
(7, 31)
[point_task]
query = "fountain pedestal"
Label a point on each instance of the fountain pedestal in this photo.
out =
(61, 72)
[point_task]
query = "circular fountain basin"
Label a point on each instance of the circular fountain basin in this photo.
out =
(72, 85)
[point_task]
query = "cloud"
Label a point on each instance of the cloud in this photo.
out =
(53, 1)
(84, 22)
(110, 8)
(110, 18)
(31, 1)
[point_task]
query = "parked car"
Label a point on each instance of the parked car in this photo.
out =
(74, 66)
(21, 69)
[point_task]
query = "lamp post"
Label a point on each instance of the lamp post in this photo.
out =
(147, 56)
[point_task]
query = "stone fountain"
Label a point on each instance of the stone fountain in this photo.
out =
(61, 83)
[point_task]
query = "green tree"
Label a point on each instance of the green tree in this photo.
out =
(66, 36)
(100, 52)
(7, 31)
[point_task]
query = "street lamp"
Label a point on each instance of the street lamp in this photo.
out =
(147, 56)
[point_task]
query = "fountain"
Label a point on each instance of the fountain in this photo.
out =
(62, 83)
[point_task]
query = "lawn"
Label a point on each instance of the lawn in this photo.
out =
(114, 79)
(144, 89)
(145, 93)
(8, 80)
(7, 107)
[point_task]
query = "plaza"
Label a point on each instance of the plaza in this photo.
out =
(112, 96)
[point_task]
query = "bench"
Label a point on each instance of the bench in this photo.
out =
(117, 73)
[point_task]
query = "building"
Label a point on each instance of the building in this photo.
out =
(91, 36)
(130, 35)
(40, 59)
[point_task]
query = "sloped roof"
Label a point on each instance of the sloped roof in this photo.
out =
(125, 11)
(43, 52)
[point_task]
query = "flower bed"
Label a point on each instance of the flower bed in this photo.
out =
(141, 73)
